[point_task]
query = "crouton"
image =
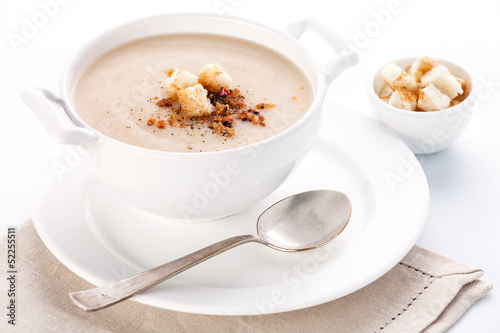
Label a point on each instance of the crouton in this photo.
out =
(443, 80)
(179, 79)
(386, 98)
(403, 99)
(194, 101)
(421, 66)
(432, 99)
(385, 91)
(463, 84)
(213, 77)
(395, 77)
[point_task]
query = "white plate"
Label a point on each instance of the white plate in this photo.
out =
(102, 239)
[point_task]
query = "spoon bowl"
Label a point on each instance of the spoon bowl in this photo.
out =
(300, 222)
(304, 221)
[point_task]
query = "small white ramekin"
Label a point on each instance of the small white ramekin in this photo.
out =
(425, 132)
(194, 186)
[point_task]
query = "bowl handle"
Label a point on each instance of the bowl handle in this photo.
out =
(47, 107)
(347, 55)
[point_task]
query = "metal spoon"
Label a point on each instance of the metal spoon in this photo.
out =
(300, 222)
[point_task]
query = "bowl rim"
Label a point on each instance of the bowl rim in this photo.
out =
(381, 105)
(310, 113)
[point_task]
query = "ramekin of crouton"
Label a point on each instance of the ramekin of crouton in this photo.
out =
(427, 101)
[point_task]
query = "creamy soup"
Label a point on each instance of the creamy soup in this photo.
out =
(117, 93)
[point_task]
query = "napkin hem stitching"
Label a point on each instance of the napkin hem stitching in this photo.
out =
(431, 279)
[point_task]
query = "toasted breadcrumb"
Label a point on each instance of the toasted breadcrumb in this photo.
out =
(165, 102)
(177, 120)
(252, 116)
(263, 106)
(160, 124)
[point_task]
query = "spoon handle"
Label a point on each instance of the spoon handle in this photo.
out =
(101, 297)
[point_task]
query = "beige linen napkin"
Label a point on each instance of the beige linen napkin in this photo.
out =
(425, 292)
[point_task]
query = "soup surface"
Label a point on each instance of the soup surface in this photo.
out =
(117, 94)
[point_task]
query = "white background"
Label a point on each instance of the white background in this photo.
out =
(464, 180)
